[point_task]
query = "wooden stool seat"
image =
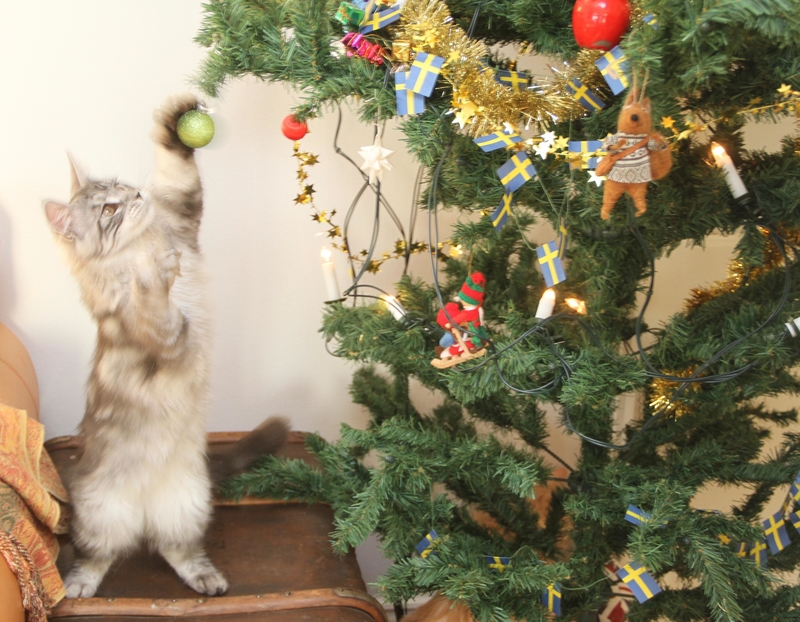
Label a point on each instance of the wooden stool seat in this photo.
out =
(276, 556)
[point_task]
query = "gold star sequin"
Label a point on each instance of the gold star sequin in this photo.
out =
(560, 143)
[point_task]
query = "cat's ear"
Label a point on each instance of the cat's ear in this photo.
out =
(59, 217)
(77, 175)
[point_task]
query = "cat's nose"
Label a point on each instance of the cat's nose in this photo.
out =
(635, 118)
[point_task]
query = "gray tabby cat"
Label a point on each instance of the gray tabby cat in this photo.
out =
(143, 474)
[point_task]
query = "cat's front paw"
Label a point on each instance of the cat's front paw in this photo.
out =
(166, 119)
(170, 266)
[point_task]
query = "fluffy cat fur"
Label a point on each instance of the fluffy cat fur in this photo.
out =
(143, 474)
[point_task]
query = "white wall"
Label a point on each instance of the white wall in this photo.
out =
(85, 75)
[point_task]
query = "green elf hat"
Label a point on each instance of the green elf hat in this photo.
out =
(472, 290)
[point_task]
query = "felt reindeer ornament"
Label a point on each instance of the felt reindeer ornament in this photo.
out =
(636, 154)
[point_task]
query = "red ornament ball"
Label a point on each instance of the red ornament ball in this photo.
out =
(292, 128)
(600, 24)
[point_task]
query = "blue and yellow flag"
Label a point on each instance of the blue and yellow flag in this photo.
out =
(650, 19)
(758, 553)
(636, 516)
(581, 147)
(498, 140)
(613, 65)
(552, 266)
(516, 171)
(425, 547)
(582, 94)
(379, 19)
(408, 102)
(641, 582)
(551, 598)
(517, 80)
(423, 73)
(794, 492)
(794, 518)
(775, 531)
(503, 211)
(741, 549)
(497, 563)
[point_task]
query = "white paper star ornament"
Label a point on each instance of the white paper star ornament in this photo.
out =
(376, 160)
(597, 179)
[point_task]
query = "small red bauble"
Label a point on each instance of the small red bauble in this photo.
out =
(600, 24)
(292, 128)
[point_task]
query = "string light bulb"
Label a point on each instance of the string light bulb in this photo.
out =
(546, 304)
(723, 161)
(329, 272)
(579, 306)
(394, 307)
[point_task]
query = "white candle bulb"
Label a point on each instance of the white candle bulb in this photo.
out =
(723, 160)
(394, 306)
(329, 272)
(546, 304)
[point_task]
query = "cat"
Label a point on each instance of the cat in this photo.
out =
(143, 475)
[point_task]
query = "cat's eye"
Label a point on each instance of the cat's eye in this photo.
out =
(109, 209)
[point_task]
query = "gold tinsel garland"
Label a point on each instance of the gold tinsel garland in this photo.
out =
(661, 392)
(739, 273)
(482, 104)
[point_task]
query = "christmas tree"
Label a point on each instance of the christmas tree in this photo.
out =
(450, 493)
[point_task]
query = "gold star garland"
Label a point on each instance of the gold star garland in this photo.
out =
(306, 197)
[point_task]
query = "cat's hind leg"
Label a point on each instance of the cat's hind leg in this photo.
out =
(178, 512)
(193, 566)
(85, 576)
(105, 525)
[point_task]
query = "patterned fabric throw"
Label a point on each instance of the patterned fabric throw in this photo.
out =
(31, 513)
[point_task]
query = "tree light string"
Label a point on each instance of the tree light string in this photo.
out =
(540, 331)
(565, 369)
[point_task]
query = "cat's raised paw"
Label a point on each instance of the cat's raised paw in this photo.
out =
(166, 118)
(210, 582)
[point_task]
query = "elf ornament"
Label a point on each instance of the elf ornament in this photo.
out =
(459, 342)
(636, 154)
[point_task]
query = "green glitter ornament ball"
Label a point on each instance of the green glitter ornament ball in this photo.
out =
(195, 129)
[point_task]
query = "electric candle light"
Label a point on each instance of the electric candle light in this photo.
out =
(577, 305)
(329, 272)
(723, 160)
(394, 306)
(546, 304)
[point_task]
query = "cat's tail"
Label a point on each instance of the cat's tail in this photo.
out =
(231, 458)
